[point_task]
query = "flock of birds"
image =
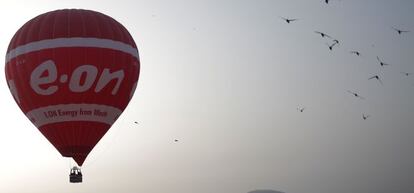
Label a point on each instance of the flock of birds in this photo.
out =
(335, 42)
(331, 46)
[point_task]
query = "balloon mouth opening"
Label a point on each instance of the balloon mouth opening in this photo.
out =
(79, 159)
(78, 153)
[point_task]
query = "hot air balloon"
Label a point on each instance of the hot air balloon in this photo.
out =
(72, 72)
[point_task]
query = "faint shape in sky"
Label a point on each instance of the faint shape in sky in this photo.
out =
(331, 46)
(355, 52)
(265, 191)
(381, 62)
(399, 31)
(376, 77)
(327, 1)
(288, 20)
(355, 94)
(323, 34)
(406, 73)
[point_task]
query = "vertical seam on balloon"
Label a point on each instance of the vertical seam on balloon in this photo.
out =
(101, 50)
(83, 97)
(109, 30)
(67, 134)
(17, 73)
(29, 28)
(115, 23)
(67, 66)
(54, 15)
(85, 138)
(75, 126)
(53, 54)
(41, 25)
(119, 33)
(14, 68)
(130, 68)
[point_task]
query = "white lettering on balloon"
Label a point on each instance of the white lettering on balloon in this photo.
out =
(37, 78)
(82, 79)
(75, 81)
(106, 77)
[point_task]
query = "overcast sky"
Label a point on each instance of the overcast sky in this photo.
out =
(226, 78)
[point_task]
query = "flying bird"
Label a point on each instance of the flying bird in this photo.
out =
(356, 94)
(323, 34)
(327, 1)
(376, 77)
(406, 73)
(301, 109)
(175, 140)
(331, 46)
(381, 62)
(336, 41)
(365, 116)
(135, 122)
(288, 20)
(400, 31)
(355, 52)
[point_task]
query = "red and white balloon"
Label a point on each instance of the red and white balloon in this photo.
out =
(72, 72)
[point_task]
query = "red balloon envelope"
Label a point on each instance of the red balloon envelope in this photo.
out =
(72, 72)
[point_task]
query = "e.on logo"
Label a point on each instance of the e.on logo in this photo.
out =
(89, 72)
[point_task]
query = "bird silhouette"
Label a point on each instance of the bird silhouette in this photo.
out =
(135, 122)
(175, 140)
(336, 41)
(327, 1)
(376, 77)
(406, 73)
(365, 117)
(288, 20)
(301, 109)
(381, 62)
(331, 46)
(355, 52)
(355, 94)
(400, 31)
(323, 34)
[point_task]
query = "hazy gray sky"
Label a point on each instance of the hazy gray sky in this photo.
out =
(226, 79)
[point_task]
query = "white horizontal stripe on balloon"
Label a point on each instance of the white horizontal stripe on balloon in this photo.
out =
(73, 112)
(71, 42)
